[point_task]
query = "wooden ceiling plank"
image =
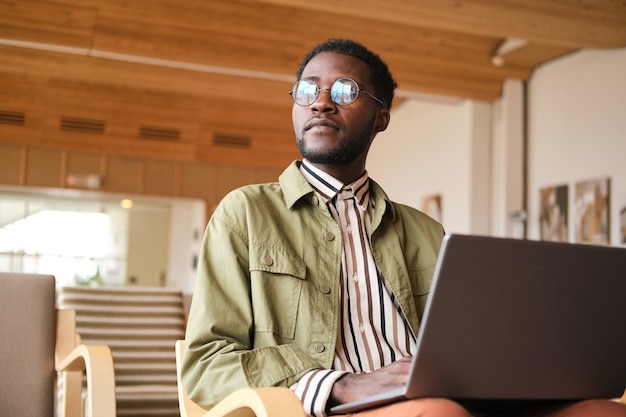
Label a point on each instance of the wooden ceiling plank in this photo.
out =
(455, 88)
(535, 54)
(122, 75)
(183, 39)
(595, 24)
(229, 38)
(210, 31)
(18, 87)
(116, 73)
(63, 22)
(270, 36)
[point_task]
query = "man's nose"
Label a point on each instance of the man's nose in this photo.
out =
(324, 103)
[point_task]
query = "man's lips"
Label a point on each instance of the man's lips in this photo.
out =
(319, 123)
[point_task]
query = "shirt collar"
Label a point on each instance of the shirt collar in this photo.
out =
(329, 187)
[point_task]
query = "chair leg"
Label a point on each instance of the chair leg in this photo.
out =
(71, 394)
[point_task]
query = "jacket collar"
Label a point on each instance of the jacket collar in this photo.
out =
(295, 188)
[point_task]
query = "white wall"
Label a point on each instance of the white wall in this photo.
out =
(507, 162)
(577, 129)
(147, 252)
(471, 153)
(438, 148)
(187, 223)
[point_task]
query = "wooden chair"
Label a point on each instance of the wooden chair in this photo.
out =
(246, 402)
(140, 325)
(37, 342)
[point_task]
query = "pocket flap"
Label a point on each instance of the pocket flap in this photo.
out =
(276, 260)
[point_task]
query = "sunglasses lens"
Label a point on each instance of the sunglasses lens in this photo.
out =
(344, 91)
(305, 92)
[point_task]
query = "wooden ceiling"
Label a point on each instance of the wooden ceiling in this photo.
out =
(224, 67)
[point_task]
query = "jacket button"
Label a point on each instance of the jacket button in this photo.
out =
(319, 348)
(325, 289)
(268, 260)
(315, 200)
(329, 236)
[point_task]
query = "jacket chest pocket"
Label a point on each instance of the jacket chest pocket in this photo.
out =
(421, 279)
(276, 281)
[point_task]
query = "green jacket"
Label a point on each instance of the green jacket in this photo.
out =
(265, 304)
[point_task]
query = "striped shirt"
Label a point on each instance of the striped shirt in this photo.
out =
(372, 332)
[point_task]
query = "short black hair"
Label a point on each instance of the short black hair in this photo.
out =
(380, 77)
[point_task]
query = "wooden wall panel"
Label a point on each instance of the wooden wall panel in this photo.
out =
(22, 94)
(84, 163)
(124, 110)
(230, 177)
(126, 103)
(11, 164)
(126, 97)
(84, 170)
(195, 180)
(44, 167)
(117, 174)
(160, 178)
(123, 175)
(19, 134)
(238, 117)
(267, 175)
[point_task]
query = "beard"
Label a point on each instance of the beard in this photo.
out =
(344, 153)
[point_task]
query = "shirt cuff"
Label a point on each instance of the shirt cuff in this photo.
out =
(314, 388)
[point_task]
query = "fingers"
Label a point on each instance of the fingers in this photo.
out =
(402, 365)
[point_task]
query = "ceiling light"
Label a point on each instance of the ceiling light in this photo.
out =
(126, 203)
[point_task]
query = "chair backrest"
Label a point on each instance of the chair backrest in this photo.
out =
(140, 325)
(28, 331)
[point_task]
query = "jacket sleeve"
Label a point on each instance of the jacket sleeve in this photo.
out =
(220, 354)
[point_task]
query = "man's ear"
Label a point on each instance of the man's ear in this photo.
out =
(382, 119)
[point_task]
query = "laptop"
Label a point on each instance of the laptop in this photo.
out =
(510, 321)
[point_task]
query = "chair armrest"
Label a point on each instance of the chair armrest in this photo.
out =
(259, 402)
(621, 399)
(246, 402)
(97, 363)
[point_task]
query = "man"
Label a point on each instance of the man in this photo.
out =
(318, 282)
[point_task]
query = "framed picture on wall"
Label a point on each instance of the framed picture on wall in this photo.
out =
(431, 205)
(622, 228)
(592, 211)
(553, 219)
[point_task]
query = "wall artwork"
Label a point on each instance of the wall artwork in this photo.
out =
(553, 220)
(623, 226)
(431, 205)
(592, 203)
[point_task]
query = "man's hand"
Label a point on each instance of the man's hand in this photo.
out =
(351, 387)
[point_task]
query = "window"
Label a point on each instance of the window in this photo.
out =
(78, 242)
